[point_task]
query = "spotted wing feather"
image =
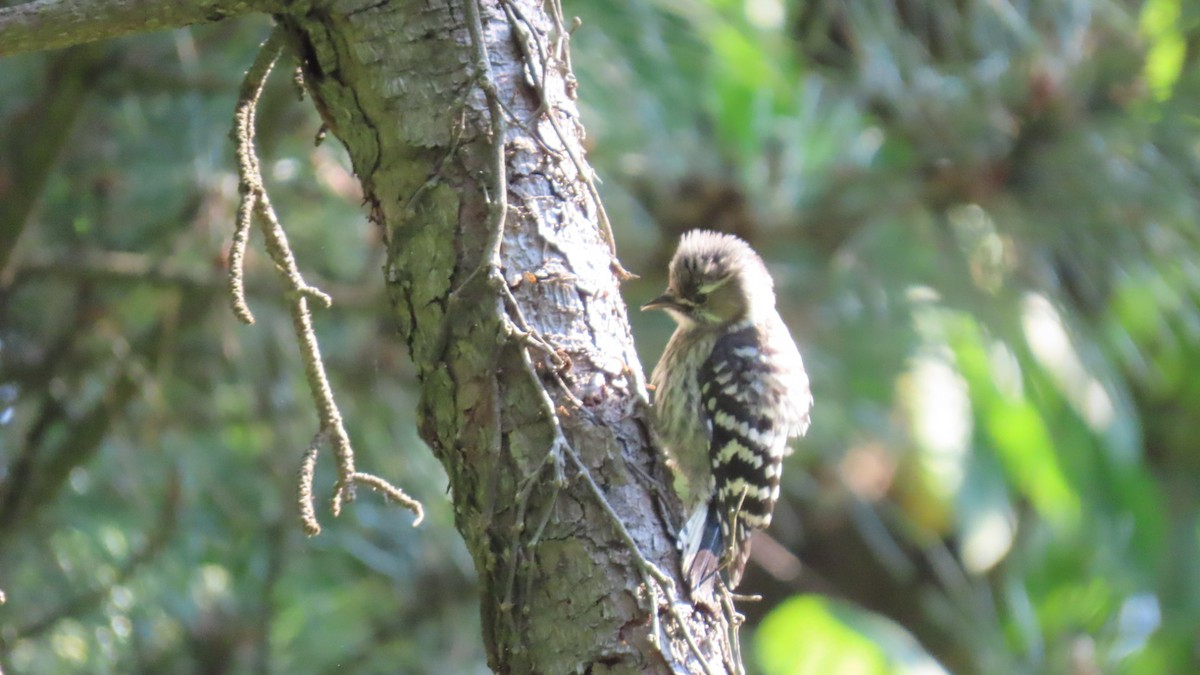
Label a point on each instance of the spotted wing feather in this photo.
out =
(744, 398)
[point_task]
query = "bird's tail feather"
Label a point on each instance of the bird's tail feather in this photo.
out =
(706, 551)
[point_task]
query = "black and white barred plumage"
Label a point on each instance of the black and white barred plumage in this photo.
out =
(730, 390)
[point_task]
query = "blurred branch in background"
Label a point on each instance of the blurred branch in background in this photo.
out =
(47, 123)
(86, 601)
(137, 268)
(40, 472)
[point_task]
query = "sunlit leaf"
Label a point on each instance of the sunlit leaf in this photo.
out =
(812, 635)
(1168, 47)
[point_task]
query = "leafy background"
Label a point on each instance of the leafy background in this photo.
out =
(982, 221)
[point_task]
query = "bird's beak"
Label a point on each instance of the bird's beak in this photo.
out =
(664, 301)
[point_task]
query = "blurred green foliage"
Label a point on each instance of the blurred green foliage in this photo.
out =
(982, 219)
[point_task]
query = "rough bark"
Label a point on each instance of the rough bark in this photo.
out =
(401, 85)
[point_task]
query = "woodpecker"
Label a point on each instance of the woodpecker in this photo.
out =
(729, 391)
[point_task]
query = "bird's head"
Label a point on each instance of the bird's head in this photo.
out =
(715, 280)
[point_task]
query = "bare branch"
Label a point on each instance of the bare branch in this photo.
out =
(304, 497)
(256, 205)
(498, 197)
(138, 268)
(734, 619)
(28, 157)
(250, 185)
(54, 24)
(392, 492)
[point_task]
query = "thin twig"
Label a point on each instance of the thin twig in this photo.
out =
(491, 262)
(655, 622)
(734, 619)
(553, 458)
(392, 492)
(650, 572)
(554, 455)
(523, 498)
(308, 467)
(125, 267)
(250, 184)
(256, 205)
(498, 194)
(651, 575)
(537, 72)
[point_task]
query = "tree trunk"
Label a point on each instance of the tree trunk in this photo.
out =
(461, 125)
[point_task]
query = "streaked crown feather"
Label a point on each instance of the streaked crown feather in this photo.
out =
(705, 259)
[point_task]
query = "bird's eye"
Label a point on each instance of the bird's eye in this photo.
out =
(701, 298)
